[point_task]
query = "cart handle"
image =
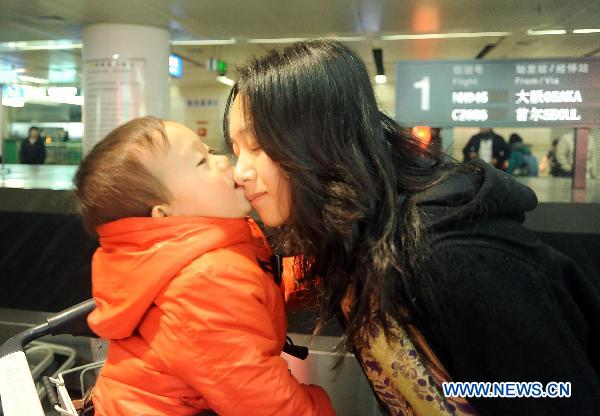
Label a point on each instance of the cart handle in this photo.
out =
(17, 389)
(70, 321)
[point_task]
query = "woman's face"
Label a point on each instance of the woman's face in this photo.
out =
(265, 185)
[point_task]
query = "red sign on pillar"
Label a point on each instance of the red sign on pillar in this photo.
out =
(201, 128)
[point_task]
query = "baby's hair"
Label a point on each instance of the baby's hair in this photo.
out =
(113, 183)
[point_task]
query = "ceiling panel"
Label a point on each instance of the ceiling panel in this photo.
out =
(425, 16)
(220, 19)
(548, 46)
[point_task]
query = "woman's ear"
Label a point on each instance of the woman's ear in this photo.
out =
(159, 211)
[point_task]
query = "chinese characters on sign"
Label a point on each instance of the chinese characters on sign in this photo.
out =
(535, 114)
(114, 93)
(203, 102)
(552, 68)
(469, 69)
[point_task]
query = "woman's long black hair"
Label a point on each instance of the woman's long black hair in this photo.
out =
(353, 175)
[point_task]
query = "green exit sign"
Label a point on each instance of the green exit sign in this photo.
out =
(221, 67)
(216, 65)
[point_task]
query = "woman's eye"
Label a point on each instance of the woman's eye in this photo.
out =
(255, 148)
(201, 162)
(212, 152)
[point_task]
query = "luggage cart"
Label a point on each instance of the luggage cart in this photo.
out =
(41, 355)
(18, 391)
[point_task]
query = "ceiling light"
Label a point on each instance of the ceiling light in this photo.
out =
(546, 32)
(13, 101)
(53, 47)
(277, 40)
(294, 40)
(203, 42)
(225, 80)
(586, 31)
(20, 70)
(445, 35)
(38, 45)
(380, 79)
(8, 76)
(74, 100)
(62, 92)
(14, 182)
(33, 79)
(347, 38)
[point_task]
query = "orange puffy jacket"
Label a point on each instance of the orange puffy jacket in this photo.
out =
(193, 320)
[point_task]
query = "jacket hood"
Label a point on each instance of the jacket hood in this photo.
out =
(467, 197)
(137, 257)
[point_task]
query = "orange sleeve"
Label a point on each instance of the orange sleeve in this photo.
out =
(228, 349)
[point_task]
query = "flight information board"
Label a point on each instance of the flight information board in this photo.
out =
(561, 92)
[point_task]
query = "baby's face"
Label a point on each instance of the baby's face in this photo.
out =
(201, 183)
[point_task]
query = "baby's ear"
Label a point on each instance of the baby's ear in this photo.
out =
(159, 211)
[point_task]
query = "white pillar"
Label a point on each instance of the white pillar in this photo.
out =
(125, 75)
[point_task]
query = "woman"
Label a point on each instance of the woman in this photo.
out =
(426, 264)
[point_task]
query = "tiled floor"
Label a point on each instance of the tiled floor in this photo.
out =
(549, 189)
(56, 177)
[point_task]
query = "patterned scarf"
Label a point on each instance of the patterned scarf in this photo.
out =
(404, 372)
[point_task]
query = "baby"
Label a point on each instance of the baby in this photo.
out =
(195, 324)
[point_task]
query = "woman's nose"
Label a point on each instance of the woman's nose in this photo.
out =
(243, 171)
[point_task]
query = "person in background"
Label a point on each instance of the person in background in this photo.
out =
(522, 162)
(427, 264)
(33, 149)
(489, 146)
(181, 283)
(63, 135)
(565, 155)
(549, 165)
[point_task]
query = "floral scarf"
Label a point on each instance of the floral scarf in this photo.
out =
(404, 373)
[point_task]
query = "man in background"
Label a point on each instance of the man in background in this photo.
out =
(33, 149)
(488, 146)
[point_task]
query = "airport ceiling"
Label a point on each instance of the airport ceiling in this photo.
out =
(370, 22)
